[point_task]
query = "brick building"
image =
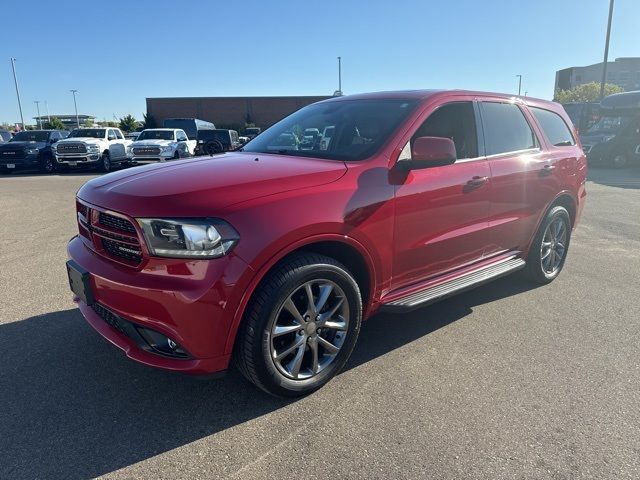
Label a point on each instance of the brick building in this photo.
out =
(236, 111)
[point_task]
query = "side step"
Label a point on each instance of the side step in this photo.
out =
(457, 285)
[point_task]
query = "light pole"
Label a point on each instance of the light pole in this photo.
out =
(37, 102)
(15, 79)
(338, 92)
(75, 106)
(519, 84)
(46, 106)
(606, 51)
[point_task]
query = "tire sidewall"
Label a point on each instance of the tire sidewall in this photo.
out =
(281, 384)
(105, 162)
(535, 254)
(48, 161)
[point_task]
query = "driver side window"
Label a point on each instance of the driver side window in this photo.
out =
(456, 121)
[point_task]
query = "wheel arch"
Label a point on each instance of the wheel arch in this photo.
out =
(342, 248)
(564, 199)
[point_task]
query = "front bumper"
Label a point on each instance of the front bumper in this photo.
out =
(78, 159)
(191, 302)
(140, 159)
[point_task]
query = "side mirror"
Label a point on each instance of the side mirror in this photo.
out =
(111, 137)
(430, 152)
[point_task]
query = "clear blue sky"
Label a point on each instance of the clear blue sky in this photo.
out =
(117, 53)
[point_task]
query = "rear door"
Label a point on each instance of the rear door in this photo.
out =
(441, 212)
(523, 175)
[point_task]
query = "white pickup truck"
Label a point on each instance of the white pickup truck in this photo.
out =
(97, 147)
(160, 145)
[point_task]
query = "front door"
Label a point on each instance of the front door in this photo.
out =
(441, 212)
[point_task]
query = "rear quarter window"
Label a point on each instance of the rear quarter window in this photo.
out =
(554, 127)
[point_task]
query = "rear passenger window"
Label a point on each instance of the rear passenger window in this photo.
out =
(554, 127)
(506, 129)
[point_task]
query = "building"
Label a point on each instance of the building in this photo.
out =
(624, 72)
(69, 121)
(228, 111)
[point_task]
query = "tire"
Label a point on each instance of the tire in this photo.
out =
(176, 156)
(619, 160)
(269, 330)
(213, 147)
(550, 247)
(48, 165)
(105, 163)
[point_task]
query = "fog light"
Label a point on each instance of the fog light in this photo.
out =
(162, 344)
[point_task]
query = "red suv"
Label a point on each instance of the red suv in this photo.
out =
(272, 256)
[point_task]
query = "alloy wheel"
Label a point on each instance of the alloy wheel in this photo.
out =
(554, 246)
(309, 329)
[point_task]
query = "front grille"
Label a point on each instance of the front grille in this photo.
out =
(117, 223)
(71, 148)
(13, 154)
(109, 317)
(125, 251)
(146, 151)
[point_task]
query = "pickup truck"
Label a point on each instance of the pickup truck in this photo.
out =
(160, 145)
(100, 148)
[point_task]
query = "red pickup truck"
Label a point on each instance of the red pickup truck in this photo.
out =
(272, 256)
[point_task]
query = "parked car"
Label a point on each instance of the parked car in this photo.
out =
(30, 149)
(133, 136)
(615, 138)
(160, 145)
(100, 148)
(271, 258)
(211, 142)
(192, 126)
(5, 136)
(252, 132)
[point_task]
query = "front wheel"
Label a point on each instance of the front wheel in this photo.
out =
(619, 160)
(300, 327)
(549, 248)
(105, 163)
(47, 165)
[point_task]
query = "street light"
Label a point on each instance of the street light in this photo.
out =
(75, 106)
(15, 79)
(37, 102)
(519, 84)
(46, 106)
(606, 51)
(338, 93)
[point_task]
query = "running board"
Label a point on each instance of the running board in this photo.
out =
(457, 285)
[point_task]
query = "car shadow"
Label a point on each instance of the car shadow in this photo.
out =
(74, 407)
(616, 177)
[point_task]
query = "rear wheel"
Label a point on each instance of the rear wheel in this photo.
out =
(213, 147)
(619, 160)
(549, 249)
(300, 327)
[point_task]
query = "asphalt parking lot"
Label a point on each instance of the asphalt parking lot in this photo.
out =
(507, 381)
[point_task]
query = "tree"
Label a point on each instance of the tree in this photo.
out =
(588, 92)
(149, 121)
(54, 124)
(128, 123)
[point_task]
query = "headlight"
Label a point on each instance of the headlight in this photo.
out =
(197, 238)
(32, 151)
(93, 148)
(166, 148)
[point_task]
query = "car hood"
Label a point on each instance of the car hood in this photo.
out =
(151, 143)
(19, 145)
(205, 185)
(81, 139)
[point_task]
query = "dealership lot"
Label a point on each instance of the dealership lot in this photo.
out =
(507, 381)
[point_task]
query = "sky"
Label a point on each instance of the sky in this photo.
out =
(117, 53)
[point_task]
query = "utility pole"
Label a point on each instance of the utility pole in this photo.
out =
(37, 102)
(15, 79)
(338, 93)
(606, 51)
(75, 106)
(46, 106)
(519, 84)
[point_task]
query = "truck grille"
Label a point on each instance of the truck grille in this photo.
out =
(146, 151)
(109, 235)
(8, 154)
(71, 148)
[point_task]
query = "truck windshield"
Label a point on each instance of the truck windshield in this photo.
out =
(156, 135)
(360, 128)
(31, 137)
(88, 132)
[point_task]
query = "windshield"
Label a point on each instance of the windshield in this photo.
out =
(358, 129)
(156, 135)
(31, 137)
(88, 132)
(608, 125)
(252, 131)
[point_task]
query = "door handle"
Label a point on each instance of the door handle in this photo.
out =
(547, 169)
(477, 181)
